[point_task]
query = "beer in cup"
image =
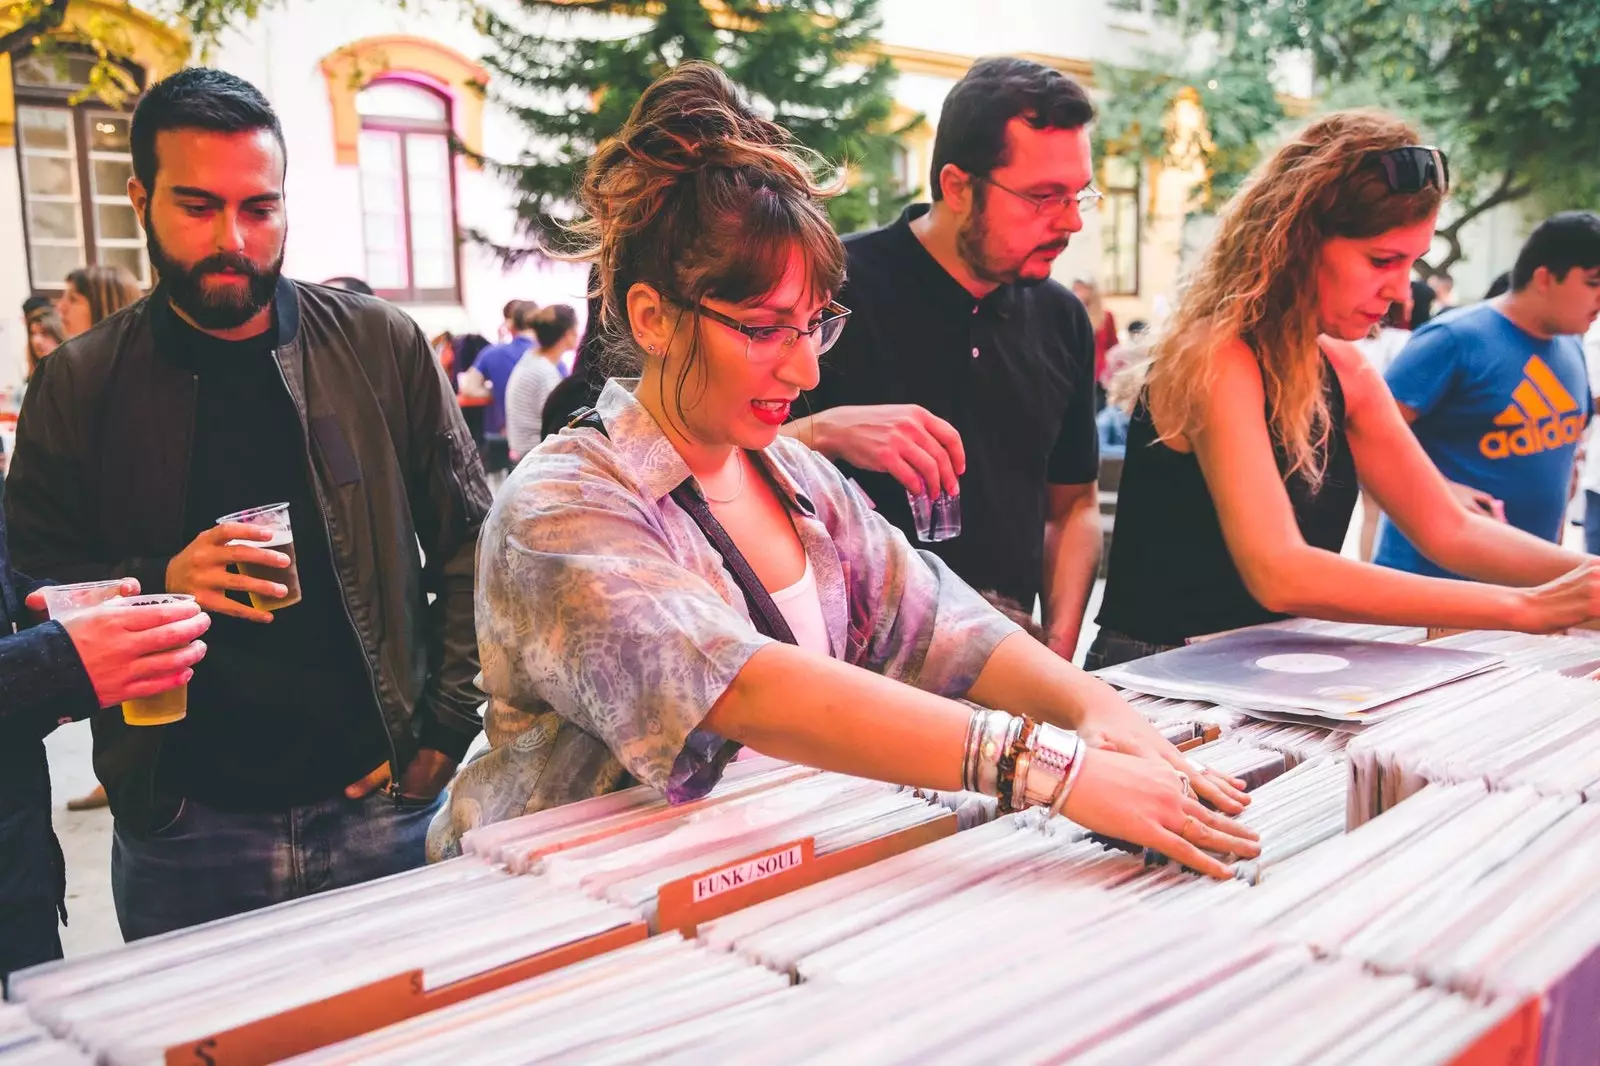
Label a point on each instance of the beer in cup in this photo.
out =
(274, 519)
(164, 707)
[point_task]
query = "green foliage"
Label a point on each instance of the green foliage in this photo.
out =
(1506, 87)
(1235, 93)
(804, 62)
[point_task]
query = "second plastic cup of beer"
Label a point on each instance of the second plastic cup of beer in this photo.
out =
(275, 519)
(64, 601)
(164, 707)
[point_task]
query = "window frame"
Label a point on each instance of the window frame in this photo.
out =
(1131, 197)
(403, 128)
(81, 114)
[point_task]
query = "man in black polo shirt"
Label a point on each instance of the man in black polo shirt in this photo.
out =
(963, 363)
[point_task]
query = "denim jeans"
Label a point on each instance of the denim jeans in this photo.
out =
(208, 863)
(1591, 521)
(1111, 648)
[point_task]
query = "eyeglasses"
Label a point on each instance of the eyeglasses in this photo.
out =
(1052, 206)
(769, 343)
(1414, 168)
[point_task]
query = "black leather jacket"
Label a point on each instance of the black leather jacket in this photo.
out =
(97, 488)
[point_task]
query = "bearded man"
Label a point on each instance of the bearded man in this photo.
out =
(320, 730)
(965, 369)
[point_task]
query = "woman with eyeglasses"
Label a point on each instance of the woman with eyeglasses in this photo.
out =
(669, 579)
(1258, 416)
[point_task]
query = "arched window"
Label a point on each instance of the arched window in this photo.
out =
(408, 202)
(75, 164)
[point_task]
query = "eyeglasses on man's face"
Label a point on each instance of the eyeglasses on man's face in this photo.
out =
(1050, 206)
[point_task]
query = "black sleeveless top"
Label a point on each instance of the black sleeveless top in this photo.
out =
(1171, 576)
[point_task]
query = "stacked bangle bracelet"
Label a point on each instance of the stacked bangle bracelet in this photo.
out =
(1021, 762)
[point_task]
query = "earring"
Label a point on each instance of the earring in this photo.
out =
(650, 348)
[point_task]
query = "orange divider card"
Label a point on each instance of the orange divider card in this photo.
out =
(1514, 1042)
(362, 1010)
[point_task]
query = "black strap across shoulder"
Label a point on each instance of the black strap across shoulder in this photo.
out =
(764, 613)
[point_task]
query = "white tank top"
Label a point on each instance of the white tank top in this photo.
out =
(801, 605)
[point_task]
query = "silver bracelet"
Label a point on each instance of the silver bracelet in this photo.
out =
(1058, 802)
(1057, 754)
(990, 733)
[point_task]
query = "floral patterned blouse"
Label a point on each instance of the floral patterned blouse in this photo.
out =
(608, 627)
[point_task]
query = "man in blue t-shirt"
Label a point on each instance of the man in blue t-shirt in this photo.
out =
(1498, 393)
(495, 364)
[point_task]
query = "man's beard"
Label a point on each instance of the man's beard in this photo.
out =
(972, 241)
(225, 308)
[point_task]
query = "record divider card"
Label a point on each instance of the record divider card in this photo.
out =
(373, 1006)
(681, 906)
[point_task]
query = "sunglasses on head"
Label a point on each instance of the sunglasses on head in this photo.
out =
(1414, 168)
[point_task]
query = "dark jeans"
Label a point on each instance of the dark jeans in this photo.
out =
(209, 863)
(30, 886)
(1111, 648)
(1591, 521)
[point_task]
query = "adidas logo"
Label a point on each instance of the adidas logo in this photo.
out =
(1542, 416)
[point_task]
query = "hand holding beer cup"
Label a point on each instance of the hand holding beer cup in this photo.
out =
(132, 651)
(204, 570)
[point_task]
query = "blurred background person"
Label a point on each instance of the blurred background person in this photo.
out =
(1105, 332)
(45, 332)
(1379, 349)
(537, 373)
(1421, 303)
(1444, 292)
(93, 294)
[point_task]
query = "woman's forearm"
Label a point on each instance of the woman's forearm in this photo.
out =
(1322, 584)
(1486, 550)
(1025, 677)
(805, 708)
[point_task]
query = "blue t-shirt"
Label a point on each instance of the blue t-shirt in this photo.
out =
(495, 363)
(1498, 409)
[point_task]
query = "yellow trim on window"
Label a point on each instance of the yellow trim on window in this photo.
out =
(353, 67)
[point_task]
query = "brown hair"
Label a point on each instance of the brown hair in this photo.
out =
(696, 196)
(1257, 279)
(47, 319)
(107, 288)
(552, 323)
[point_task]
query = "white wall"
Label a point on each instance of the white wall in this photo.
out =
(14, 278)
(281, 54)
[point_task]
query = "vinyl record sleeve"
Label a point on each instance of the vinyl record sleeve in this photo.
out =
(1281, 671)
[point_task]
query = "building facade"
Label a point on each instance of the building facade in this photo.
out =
(370, 95)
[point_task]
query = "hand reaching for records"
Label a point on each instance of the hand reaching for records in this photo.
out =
(1113, 725)
(1144, 802)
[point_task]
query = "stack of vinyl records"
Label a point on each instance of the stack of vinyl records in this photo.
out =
(24, 1042)
(880, 908)
(1286, 675)
(1514, 728)
(1490, 894)
(656, 998)
(546, 890)
(131, 1004)
(1576, 654)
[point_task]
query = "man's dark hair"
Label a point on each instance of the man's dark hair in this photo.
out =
(1499, 286)
(972, 124)
(1560, 244)
(197, 98)
(509, 312)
